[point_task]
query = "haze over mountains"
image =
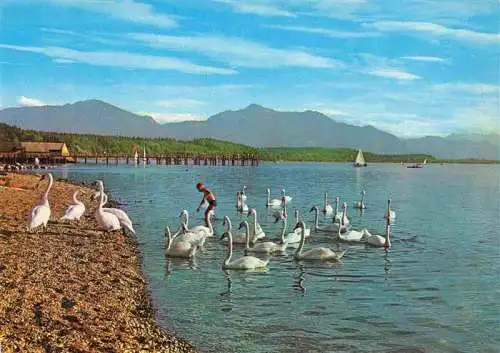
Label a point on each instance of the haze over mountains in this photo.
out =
(254, 125)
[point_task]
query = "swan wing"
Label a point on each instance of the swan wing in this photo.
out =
(39, 215)
(247, 263)
(108, 221)
(74, 212)
(181, 249)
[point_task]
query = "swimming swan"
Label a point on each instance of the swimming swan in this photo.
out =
(243, 263)
(332, 228)
(378, 240)
(361, 204)
(239, 238)
(350, 235)
(327, 209)
(267, 247)
(241, 205)
(323, 254)
(243, 194)
(209, 231)
(182, 249)
(306, 230)
(273, 202)
(106, 220)
(285, 198)
(337, 216)
(257, 231)
(40, 214)
(74, 211)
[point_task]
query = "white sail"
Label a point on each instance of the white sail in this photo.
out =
(360, 160)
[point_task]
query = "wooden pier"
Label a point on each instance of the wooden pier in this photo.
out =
(199, 159)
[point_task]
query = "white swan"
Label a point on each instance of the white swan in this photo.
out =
(198, 237)
(390, 214)
(207, 230)
(178, 248)
(267, 247)
(297, 219)
(257, 231)
(355, 236)
(361, 204)
(273, 202)
(323, 254)
(243, 194)
(338, 216)
(40, 214)
(106, 220)
(241, 205)
(74, 211)
(285, 198)
(332, 228)
(327, 208)
(243, 263)
(239, 238)
(122, 216)
(378, 240)
(292, 238)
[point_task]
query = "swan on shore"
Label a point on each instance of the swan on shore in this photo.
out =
(378, 240)
(182, 249)
(74, 211)
(323, 254)
(122, 216)
(332, 228)
(40, 214)
(361, 204)
(267, 247)
(107, 221)
(274, 202)
(243, 263)
(327, 208)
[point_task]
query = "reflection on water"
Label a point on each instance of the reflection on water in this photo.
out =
(432, 291)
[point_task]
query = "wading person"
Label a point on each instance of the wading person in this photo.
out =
(209, 197)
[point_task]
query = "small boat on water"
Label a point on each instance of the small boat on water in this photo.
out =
(360, 160)
(417, 165)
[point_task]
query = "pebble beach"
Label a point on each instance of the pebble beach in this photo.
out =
(72, 287)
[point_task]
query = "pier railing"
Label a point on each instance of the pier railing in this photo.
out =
(174, 158)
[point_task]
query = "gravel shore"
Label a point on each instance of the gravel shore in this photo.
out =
(71, 288)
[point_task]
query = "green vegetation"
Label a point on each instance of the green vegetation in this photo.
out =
(126, 145)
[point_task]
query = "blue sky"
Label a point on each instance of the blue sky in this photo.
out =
(411, 67)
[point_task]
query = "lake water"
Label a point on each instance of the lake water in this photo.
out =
(437, 290)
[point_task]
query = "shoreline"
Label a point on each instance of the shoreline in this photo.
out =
(71, 287)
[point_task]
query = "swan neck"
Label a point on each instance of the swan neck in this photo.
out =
(229, 248)
(75, 200)
(283, 230)
(168, 239)
(326, 199)
(302, 238)
(254, 214)
(247, 237)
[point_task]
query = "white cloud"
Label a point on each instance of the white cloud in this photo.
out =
(333, 112)
(238, 52)
(127, 10)
(30, 102)
(475, 88)
(180, 103)
(122, 59)
(256, 8)
(434, 59)
(325, 31)
(173, 117)
(433, 29)
(393, 73)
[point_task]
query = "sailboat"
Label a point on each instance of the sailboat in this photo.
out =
(136, 157)
(360, 160)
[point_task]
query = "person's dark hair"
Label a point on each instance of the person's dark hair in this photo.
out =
(199, 185)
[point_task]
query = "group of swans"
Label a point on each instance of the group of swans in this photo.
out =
(108, 219)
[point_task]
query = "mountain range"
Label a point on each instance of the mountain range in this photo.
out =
(254, 126)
